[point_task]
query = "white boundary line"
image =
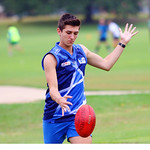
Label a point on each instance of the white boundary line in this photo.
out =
(117, 92)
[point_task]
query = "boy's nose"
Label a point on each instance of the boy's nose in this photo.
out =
(72, 36)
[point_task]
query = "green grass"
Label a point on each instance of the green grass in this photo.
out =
(21, 123)
(119, 119)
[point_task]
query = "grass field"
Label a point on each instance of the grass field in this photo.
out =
(120, 119)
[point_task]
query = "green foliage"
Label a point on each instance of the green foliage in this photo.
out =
(34, 7)
(121, 7)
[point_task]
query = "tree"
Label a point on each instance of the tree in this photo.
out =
(34, 7)
(121, 7)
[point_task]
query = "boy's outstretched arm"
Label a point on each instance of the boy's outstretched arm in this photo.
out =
(107, 63)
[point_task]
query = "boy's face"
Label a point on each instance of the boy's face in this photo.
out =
(68, 35)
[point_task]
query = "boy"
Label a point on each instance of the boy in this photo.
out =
(64, 67)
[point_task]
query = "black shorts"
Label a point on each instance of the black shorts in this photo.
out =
(13, 43)
(116, 38)
(102, 39)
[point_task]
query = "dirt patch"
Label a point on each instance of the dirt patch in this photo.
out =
(19, 94)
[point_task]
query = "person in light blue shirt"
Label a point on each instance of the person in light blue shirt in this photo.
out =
(64, 67)
(102, 31)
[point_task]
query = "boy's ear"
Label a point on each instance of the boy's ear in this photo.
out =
(58, 31)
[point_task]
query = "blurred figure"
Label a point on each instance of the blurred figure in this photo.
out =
(114, 29)
(102, 29)
(149, 27)
(13, 37)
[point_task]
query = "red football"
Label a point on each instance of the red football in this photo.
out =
(85, 120)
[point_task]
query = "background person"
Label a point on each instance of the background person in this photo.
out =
(102, 29)
(13, 37)
(114, 29)
(149, 28)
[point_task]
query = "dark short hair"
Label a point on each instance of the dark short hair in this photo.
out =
(68, 19)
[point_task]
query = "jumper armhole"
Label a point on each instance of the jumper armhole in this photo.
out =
(51, 54)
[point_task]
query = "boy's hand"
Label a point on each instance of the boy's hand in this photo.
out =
(128, 33)
(64, 103)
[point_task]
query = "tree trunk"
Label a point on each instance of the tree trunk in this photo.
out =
(88, 13)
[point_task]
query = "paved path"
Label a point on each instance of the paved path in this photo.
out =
(18, 94)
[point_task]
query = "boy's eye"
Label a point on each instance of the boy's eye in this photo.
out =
(76, 33)
(68, 32)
